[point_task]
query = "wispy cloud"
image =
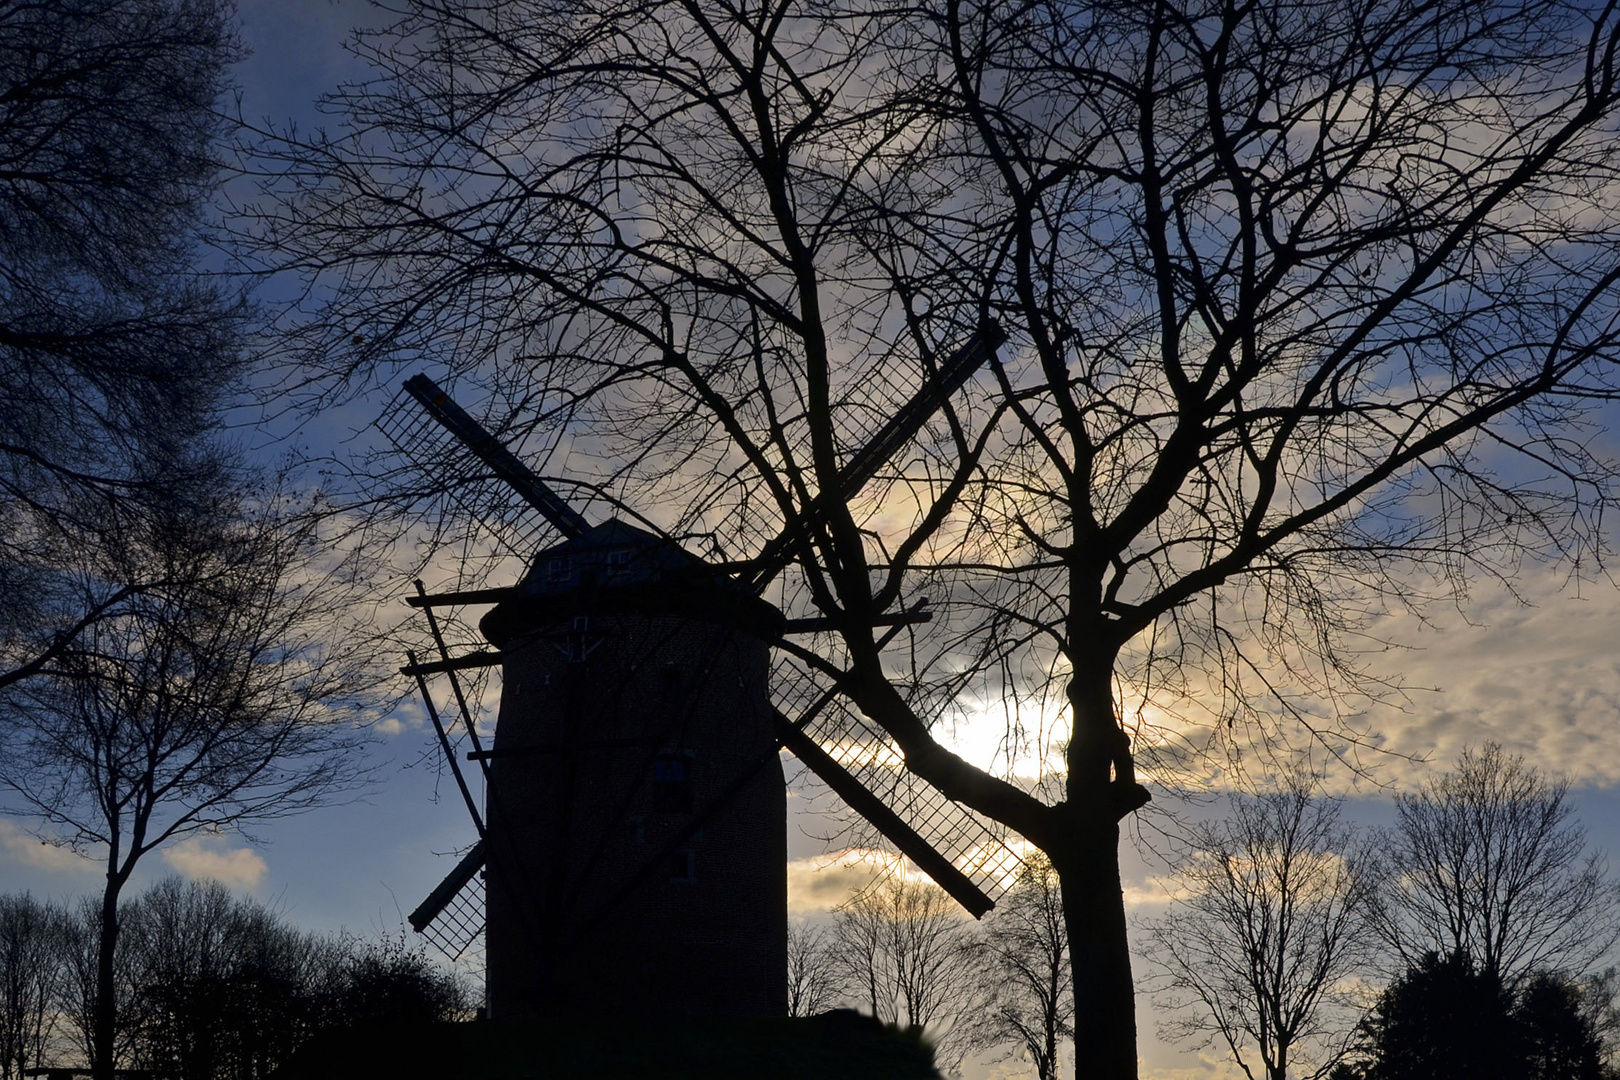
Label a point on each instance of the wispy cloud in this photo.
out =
(1544, 681)
(1535, 670)
(21, 847)
(818, 885)
(201, 859)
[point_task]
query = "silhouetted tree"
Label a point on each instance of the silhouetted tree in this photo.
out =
(1287, 348)
(1447, 1018)
(113, 352)
(903, 951)
(1559, 1040)
(1026, 997)
(1265, 930)
(1490, 861)
(814, 984)
(223, 989)
(33, 961)
(1444, 1018)
(218, 701)
(1599, 995)
(216, 987)
(389, 982)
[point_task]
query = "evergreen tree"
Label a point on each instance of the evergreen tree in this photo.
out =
(1449, 1018)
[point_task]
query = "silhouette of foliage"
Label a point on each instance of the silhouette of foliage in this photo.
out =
(113, 352)
(210, 986)
(389, 982)
(1559, 1040)
(1448, 1018)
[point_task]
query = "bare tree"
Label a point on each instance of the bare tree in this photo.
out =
(1268, 927)
(112, 351)
(33, 962)
(222, 701)
(1489, 862)
(1026, 989)
(904, 950)
(1307, 303)
(82, 991)
(814, 984)
(223, 989)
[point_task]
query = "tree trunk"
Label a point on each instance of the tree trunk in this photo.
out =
(1085, 851)
(1094, 910)
(1049, 1044)
(105, 1017)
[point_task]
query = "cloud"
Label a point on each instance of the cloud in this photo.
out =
(819, 884)
(22, 847)
(1542, 680)
(202, 859)
(1533, 668)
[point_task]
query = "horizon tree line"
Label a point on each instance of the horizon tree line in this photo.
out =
(209, 986)
(1304, 947)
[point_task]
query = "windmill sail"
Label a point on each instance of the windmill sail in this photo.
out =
(452, 917)
(974, 846)
(866, 461)
(518, 476)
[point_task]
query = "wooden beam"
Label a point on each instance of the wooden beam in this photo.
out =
(470, 596)
(460, 663)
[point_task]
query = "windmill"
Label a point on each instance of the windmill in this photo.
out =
(631, 845)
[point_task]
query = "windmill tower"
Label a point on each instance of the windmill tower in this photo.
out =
(633, 845)
(634, 695)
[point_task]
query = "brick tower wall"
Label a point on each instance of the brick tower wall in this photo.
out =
(615, 733)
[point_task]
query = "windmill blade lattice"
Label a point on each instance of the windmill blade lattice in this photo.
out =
(973, 843)
(483, 499)
(452, 917)
(902, 416)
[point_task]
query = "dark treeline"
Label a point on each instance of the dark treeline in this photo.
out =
(1447, 1017)
(210, 986)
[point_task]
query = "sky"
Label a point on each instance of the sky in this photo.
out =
(1542, 679)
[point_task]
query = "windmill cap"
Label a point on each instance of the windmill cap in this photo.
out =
(616, 568)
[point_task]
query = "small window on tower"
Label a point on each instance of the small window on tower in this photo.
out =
(559, 570)
(672, 783)
(578, 643)
(618, 562)
(683, 867)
